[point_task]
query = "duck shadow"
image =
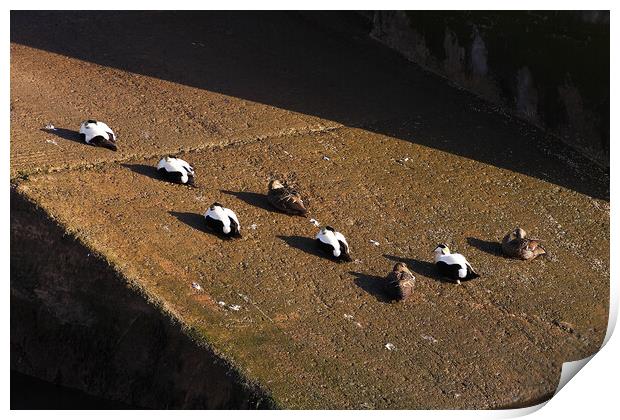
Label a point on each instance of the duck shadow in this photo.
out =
(252, 198)
(193, 220)
(490, 247)
(146, 170)
(65, 133)
(423, 268)
(373, 285)
(308, 245)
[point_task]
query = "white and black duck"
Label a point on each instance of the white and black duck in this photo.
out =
(453, 266)
(98, 133)
(333, 244)
(176, 170)
(223, 221)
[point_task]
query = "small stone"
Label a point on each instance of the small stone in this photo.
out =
(390, 346)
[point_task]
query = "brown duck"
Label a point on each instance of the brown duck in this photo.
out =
(399, 283)
(285, 198)
(516, 245)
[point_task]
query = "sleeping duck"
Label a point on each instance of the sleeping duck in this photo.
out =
(516, 245)
(285, 198)
(176, 170)
(453, 266)
(222, 221)
(333, 244)
(399, 283)
(98, 133)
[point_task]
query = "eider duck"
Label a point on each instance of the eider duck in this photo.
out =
(399, 283)
(453, 266)
(98, 133)
(176, 170)
(285, 198)
(516, 245)
(222, 221)
(333, 243)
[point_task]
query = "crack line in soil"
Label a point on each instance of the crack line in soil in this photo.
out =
(180, 150)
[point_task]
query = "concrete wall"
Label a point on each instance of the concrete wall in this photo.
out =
(549, 68)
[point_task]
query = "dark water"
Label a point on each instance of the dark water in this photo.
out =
(29, 393)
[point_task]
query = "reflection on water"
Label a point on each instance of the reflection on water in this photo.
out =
(29, 393)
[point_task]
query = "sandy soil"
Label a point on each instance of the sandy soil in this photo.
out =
(383, 151)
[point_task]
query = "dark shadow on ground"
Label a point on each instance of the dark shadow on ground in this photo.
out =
(308, 245)
(252, 198)
(193, 220)
(423, 268)
(30, 393)
(146, 170)
(65, 133)
(316, 63)
(490, 247)
(373, 285)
